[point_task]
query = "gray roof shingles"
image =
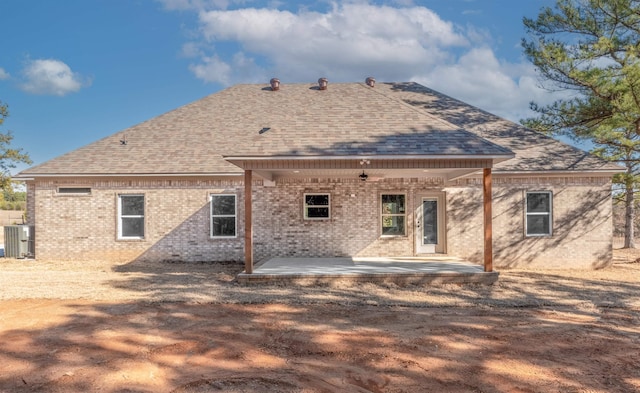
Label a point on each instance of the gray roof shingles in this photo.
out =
(534, 151)
(347, 119)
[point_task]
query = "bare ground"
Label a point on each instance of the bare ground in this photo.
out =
(90, 327)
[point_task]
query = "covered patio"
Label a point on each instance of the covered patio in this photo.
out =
(427, 150)
(398, 270)
(449, 168)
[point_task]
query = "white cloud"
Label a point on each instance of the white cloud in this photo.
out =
(191, 49)
(478, 36)
(348, 39)
(344, 24)
(212, 69)
(3, 74)
(404, 3)
(478, 77)
(182, 5)
(51, 77)
(240, 68)
(355, 39)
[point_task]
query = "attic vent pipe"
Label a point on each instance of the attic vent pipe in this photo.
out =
(370, 81)
(275, 84)
(322, 83)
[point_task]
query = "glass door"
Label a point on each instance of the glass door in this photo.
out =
(429, 224)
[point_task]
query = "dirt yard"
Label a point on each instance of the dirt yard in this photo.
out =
(90, 327)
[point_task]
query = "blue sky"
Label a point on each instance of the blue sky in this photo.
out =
(75, 71)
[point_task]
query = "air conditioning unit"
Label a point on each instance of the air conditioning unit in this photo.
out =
(19, 241)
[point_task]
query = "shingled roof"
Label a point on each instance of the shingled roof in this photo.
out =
(300, 120)
(534, 151)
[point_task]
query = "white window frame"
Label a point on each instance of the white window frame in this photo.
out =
(120, 217)
(527, 214)
(383, 215)
(306, 207)
(211, 216)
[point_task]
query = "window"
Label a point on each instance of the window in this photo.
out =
(74, 190)
(538, 214)
(393, 215)
(317, 206)
(223, 215)
(131, 217)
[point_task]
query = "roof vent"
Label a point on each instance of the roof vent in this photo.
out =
(322, 83)
(370, 81)
(275, 84)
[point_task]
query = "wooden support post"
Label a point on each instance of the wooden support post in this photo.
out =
(488, 234)
(248, 224)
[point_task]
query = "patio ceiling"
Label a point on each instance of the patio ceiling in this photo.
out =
(372, 174)
(376, 168)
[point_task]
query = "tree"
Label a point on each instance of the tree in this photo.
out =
(590, 49)
(9, 157)
(9, 194)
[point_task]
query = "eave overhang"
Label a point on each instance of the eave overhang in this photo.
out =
(560, 172)
(375, 166)
(31, 176)
(373, 161)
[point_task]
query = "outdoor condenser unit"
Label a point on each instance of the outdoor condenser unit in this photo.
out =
(18, 241)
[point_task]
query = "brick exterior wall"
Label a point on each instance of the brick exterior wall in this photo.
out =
(177, 220)
(582, 223)
(31, 203)
(582, 226)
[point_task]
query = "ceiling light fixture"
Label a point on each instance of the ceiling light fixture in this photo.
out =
(363, 176)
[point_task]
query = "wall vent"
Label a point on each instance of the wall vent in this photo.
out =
(74, 190)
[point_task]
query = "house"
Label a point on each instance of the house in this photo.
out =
(325, 170)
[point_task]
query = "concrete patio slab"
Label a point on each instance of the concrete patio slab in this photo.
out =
(403, 270)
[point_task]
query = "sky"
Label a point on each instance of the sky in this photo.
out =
(76, 71)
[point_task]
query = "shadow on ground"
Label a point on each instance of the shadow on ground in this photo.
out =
(215, 283)
(192, 328)
(179, 347)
